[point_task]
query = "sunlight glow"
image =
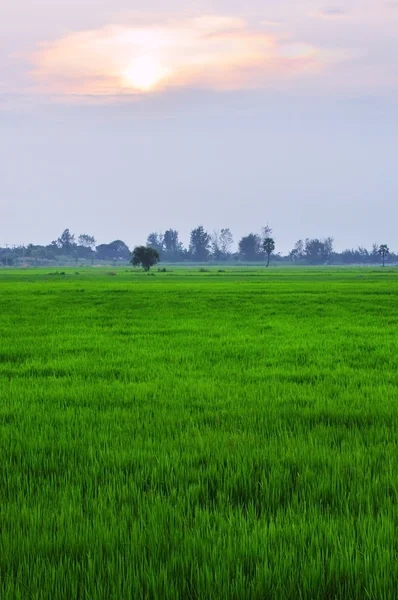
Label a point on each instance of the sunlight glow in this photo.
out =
(212, 52)
(144, 73)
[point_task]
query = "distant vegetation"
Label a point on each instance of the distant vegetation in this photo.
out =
(145, 257)
(204, 247)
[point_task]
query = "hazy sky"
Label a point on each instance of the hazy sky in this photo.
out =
(121, 118)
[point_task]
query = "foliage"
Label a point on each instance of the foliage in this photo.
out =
(202, 248)
(297, 253)
(199, 245)
(145, 257)
(172, 244)
(268, 247)
(87, 241)
(167, 244)
(318, 251)
(115, 251)
(155, 240)
(250, 247)
(384, 251)
(266, 232)
(66, 240)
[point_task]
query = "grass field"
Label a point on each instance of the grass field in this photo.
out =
(194, 435)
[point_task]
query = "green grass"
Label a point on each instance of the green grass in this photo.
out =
(195, 435)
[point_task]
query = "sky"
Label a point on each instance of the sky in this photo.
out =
(122, 118)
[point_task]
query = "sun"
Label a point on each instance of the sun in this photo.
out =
(145, 73)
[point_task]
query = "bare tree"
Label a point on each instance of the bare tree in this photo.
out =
(266, 232)
(226, 240)
(221, 243)
(87, 241)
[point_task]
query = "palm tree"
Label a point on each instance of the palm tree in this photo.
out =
(269, 247)
(384, 251)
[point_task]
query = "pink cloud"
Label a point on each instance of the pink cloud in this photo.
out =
(216, 52)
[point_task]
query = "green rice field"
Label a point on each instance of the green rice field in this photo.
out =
(199, 435)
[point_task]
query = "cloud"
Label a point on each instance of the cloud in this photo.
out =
(332, 13)
(210, 52)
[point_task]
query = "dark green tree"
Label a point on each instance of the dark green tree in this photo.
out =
(384, 251)
(199, 245)
(172, 246)
(318, 251)
(268, 247)
(266, 232)
(375, 252)
(145, 257)
(297, 253)
(155, 240)
(250, 247)
(66, 241)
(170, 240)
(115, 251)
(86, 246)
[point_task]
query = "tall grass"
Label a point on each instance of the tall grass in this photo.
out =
(199, 435)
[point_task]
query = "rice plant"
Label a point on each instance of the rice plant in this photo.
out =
(199, 435)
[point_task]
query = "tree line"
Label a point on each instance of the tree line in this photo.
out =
(203, 247)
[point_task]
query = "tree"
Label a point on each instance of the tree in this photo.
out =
(171, 241)
(363, 254)
(250, 247)
(298, 251)
(384, 251)
(87, 241)
(86, 247)
(199, 246)
(328, 246)
(215, 245)
(221, 244)
(266, 232)
(226, 241)
(155, 240)
(318, 251)
(172, 246)
(66, 241)
(115, 251)
(269, 247)
(375, 252)
(145, 256)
